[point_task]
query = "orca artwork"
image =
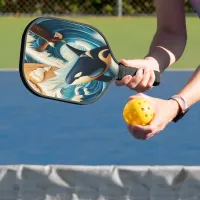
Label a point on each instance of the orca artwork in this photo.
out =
(68, 61)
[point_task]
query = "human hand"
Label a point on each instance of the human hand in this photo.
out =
(141, 82)
(165, 112)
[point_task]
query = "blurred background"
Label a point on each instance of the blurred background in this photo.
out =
(40, 131)
(81, 7)
(129, 25)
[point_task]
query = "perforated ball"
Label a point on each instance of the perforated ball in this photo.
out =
(138, 111)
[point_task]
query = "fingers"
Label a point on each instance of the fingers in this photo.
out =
(146, 77)
(143, 132)
(133, 83)
(133, 63)
(129, 79)
(145, 83)
(134, 133)
(146, 132)
(142, 81)
(164, 112)
(125, 80)
(151, 79)
(138, 95)
(126, 62)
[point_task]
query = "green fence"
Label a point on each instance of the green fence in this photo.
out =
(80, 7)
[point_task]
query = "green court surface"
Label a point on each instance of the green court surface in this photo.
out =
(129, 38)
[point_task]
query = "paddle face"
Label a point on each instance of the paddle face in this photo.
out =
(66, 61)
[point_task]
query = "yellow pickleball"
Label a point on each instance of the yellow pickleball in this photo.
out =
(138, 111)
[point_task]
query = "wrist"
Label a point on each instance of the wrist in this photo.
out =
(153, 62)
(182, 107)
(163, 56)
(175, 108)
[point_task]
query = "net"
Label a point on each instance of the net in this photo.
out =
(60, 182)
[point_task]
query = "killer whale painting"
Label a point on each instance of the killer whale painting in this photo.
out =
(67, 61)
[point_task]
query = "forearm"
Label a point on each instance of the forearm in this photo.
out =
(191, 91)
(167, 48)
(169, 41)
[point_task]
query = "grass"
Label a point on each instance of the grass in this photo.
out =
(129, 38)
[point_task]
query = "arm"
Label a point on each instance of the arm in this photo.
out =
(167, 110)
(166, 48)
(170, 38)
(191, 91)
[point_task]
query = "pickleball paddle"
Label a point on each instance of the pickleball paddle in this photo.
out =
(68, 61)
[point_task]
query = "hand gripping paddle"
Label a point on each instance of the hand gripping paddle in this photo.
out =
(68, 61)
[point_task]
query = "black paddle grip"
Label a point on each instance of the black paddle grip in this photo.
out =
(124, 71)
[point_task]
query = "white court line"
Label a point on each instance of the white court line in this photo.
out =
(169, 70)
(180, 69)
(8, 70)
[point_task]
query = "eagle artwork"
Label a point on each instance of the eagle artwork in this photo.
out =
(66, 61)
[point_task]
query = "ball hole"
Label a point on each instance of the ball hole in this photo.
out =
(146, 115)
(142, 109)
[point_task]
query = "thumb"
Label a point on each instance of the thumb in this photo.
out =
(133, 63)
(149, 130)
(151, 100)
(138, 95)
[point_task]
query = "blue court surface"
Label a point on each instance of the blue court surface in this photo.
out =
(34, 130)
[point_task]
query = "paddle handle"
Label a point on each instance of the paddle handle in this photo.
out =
(124, 71)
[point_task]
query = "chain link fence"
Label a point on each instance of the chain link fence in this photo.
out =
(80, 7)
